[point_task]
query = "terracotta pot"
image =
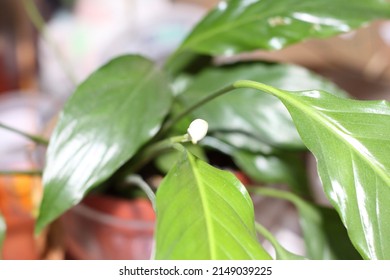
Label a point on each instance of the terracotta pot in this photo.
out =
(20, 243)
(103, 227)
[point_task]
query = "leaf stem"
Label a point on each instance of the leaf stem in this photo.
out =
(159, 147)
(21, 172)
(281, 252)
(35, 138)
(267, 235)
(235, 85)
(39, 23)
(285, 195)
(156, 149)
(195, 106)
(255, 85)
(138, 181)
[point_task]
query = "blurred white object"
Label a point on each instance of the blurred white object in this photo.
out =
(197, 130)
(99, 30)
(28, 113)
(384, 32)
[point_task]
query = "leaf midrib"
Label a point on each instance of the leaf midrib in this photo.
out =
(336, 132)
(205, 208)
(222, 28)
(234, 25)
(286, 96)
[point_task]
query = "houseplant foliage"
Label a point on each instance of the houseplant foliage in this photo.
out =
(125, 115)
(129, 86)
(318, 221)
(199, 190)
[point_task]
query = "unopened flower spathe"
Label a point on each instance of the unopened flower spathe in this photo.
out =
(197, 130)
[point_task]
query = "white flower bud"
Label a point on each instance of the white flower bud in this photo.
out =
(197, 130)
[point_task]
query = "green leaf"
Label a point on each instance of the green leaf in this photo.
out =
(3, 228)
(166, 161)
(204, 213)
(252, 115)
(110, 116)
(278, 167)
(243, 141)
(281, 252)
(351, 142)
(239, 26)
(285, 168)
(324, 234)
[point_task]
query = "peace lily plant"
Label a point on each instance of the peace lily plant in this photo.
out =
(131, 113)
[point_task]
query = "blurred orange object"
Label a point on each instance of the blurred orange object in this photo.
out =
(20, 195)
(17, 204)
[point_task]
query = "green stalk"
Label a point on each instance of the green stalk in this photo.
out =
(281, 253)
(138, 181)
(256, 85)
(285, 195)
(154, 150)
(198, 104)
(21, 172)
(39, 23)
(35, 138)
(150, 152)
(235, 85)
(268, 235)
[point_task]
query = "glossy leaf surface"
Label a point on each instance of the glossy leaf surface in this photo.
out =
(246, 113)
(238, 26)
(279, 167)
(115, 111)
(351, 142)
(285, 168)
(325, 235)
(204, 213)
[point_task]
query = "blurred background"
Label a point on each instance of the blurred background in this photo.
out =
(49, 46)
